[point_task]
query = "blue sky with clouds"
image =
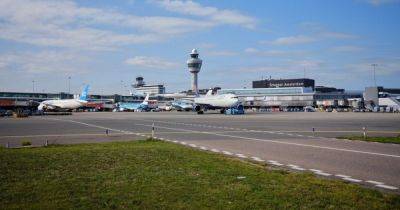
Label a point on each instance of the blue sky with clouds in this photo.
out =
(108, 43)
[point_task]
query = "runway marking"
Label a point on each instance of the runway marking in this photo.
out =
(342, 176)
(323, 173)
(273, 162)
(352, 180)
(92, 125)
(227, 153)
(214, 150)
(315, 170)
(203, 148)
(375, 182)
(280, 142)
(241, 155)
(387, 187)
(257, 159)
(298, 168)
(192, 145)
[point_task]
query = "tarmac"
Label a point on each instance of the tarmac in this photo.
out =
(296, 141)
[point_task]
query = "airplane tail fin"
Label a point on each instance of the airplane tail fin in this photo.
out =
(146, 99)
(84, 95)
(209, 93)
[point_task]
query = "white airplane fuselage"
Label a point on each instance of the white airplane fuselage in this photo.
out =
(62, 104)
(219, 101)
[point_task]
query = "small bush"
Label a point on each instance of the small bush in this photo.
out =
(26, 143)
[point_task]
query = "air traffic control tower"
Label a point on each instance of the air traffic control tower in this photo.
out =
(194, 65)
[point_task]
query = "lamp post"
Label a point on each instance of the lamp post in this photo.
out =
(33, 85)
(374, 65)
(69, 84)
(122, 87)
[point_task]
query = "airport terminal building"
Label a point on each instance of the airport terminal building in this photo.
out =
(285, 94)
(141, 88)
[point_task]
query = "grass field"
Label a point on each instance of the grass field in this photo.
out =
(154, 174)
(382, 139)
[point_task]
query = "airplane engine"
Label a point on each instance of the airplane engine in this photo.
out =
(197, 108)
(41, 107)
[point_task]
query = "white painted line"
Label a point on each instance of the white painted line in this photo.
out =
(276, 163)
(182, 142)
(298, 168)
(192, 145)
(343, 176)
(299, 135)
(203, 148)
(323, 173)
(214, 150)
(352, 180)
(175, 141)
(291, 165)
(315, 170)
(282, 142)
(257, 159)
(241, 155)
(387, 187)
(375, 182)
(227, 153)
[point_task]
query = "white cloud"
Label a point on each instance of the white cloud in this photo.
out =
(43, 62)
(222, 53)
(289, 66)
(347, 48)
(337, 35)
(292, 40)
(315, 32)
(220, 16)
(151, 62)
(273, 52)
(251, 50)
(66, 24)
(386, 66)
(380, 2)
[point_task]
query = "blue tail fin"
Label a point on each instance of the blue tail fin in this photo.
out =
(84, 95)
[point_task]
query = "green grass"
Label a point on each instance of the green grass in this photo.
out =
(382, 139)
(154, 174)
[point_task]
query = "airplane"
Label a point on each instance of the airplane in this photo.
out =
(65, 104)
(181, 105)
(210, 101)
(137, 107)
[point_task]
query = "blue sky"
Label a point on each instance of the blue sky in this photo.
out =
(108, 43)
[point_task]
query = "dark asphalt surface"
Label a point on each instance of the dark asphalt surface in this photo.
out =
(286, 138)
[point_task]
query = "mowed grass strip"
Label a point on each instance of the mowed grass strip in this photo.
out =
(381, 139)
(154, 174)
